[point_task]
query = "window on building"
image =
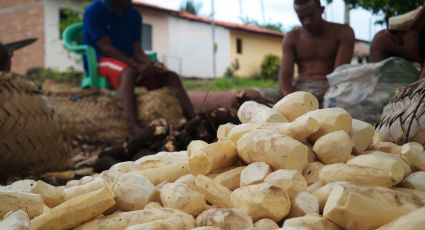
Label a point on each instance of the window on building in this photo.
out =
(147, 37)
(239, 45)
(67, 17)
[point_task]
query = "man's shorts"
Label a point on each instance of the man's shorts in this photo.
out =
(315, 87)
(112, 69)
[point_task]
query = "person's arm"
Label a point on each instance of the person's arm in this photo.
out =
(139, 55)
(286, 72)
(108, 50)
(346, 47)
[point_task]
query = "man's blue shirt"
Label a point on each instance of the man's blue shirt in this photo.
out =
(124, 30)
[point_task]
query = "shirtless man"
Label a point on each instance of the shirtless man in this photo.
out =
(318, 47)
(408, 44)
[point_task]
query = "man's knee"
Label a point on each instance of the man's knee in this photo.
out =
(129, 74)
(128, 79)
(170, 78)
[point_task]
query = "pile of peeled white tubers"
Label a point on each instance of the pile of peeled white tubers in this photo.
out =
(292, 166)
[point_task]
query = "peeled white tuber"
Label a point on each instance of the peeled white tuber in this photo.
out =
(334, 147)
(253, 112)
(289, 180)
(12, 201)
(225, 218)
(296, 104)
(310, 222)
(254, 173)
(17, 220)
(231, 178)
(218, 155)
(311, 172)
(361, 175)
(184, 197)
(303, 204)
(330, 120)
(133, 191)
(262, 201)
(280, 152)
(362, 135)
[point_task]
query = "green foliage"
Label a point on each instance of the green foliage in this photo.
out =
(224, 83)
(270, 67)
(191, 7)
(271, 26)
(388, 7)
(69, 15)
(39, 75)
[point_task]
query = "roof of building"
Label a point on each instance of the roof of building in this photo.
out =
(192, 17)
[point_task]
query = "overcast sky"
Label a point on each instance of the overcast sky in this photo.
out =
(279, 11)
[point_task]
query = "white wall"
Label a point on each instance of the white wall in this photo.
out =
(57, 57)
(160, 36)
(190, 48)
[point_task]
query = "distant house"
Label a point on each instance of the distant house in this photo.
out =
(183, 41)
(361, 52)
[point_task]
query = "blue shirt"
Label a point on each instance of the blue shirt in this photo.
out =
(123, 30)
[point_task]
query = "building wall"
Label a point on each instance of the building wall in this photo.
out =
(57, 57)
(160, 31)
(21, 19)
(254, 48)
(190, 48)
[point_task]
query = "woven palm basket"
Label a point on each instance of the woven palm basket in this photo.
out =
(30, 136)
(96, 117)
(403, 120)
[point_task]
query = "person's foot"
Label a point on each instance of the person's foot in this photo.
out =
(150, 136)
(134, 130)
(161, 126)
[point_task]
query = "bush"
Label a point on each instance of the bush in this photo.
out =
(270, 67)
(39, 75)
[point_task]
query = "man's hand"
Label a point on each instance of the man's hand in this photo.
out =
(159, 68)
(286, 71)
(146, 69)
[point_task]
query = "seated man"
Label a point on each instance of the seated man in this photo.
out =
(408, 44)
(318, 47)
(114, 29)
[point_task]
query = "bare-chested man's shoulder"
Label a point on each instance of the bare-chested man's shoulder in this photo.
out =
(341, 31)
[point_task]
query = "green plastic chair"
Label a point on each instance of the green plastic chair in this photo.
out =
(73, 41)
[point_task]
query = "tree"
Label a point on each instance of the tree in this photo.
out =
(270, 26)
(191, 7)
(69, 15)
(388, 7)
